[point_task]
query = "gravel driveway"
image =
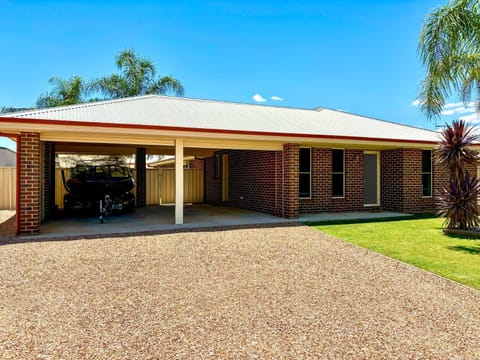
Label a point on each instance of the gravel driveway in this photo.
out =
(285, 292)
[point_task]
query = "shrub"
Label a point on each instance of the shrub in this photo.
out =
(458, 201)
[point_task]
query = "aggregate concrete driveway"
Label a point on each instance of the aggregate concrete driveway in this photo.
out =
(278, 292)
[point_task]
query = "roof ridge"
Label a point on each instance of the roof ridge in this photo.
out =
(232, 102)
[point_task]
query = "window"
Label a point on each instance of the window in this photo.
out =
(338, 173)
(305, 172)
(426, 173)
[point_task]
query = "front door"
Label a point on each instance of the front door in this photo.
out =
(370, 179)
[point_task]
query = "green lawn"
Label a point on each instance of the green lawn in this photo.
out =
(419, 242)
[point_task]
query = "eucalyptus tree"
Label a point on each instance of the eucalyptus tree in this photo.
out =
(449, 47)
(137, 77)
(65, 92)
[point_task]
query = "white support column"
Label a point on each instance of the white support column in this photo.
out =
(178, 181)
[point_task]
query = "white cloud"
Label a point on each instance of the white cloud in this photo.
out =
(416, 102)
(463, 109)
(458, 108)
(276, 98)
(448, 112)
(472, 118)
(258, 98)
(452, 105)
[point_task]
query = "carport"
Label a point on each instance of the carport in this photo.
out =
(125, 126)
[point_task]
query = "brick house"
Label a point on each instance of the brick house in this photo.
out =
(281, 161)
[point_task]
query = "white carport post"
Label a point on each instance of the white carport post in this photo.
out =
(178, 181)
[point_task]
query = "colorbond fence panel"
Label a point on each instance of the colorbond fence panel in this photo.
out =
(8, 188)
(192, 187)
(160, 186)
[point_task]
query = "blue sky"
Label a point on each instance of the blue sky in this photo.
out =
(356, 56)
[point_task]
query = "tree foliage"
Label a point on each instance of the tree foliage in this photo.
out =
(65, 92)
(137, 77)
(458, 201)
(10, 109)
(449, 47)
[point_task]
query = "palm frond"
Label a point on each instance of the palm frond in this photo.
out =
(113, 86)
(136, 77)
(449, 48)
(65, 92)
(166, 85)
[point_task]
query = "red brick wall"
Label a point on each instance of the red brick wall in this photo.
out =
(213, 186)
(196, 164)
(321, 199)
(291, 159)
(321, 192)
(391, 193)
(353, 199)
(402, 181)
(255, 180)
(413, 200)
(29, 184)
(48, 180)
(253, 175)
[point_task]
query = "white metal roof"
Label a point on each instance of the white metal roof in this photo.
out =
(154, 110)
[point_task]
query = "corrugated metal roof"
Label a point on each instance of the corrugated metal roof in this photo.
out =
(154, 110)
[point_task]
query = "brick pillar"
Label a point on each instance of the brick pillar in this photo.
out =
(140, 164)
(29, 183)
(48, 180)
(291, 159)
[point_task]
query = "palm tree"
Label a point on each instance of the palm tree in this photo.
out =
(137, 77)
(65, 92)
(449, 48)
